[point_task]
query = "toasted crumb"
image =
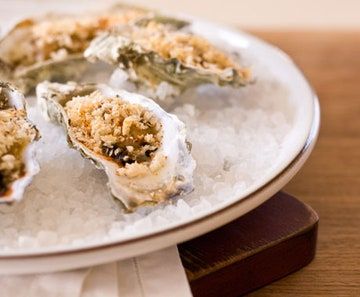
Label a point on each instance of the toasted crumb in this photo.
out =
(56, 38)
(191, 50)
(15, 133)
(3, 100)
(126, 133)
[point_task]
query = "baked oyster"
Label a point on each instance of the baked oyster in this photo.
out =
(164, 54)
(142, 149)
(51, 47)
(17, 136)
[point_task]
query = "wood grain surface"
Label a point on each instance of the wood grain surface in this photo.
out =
(266, 244)
(330, 180)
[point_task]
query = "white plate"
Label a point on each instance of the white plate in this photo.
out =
(296, 149)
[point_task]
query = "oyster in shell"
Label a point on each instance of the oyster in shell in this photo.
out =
(51, 47)
(142, 149)
(155, 52)
(17, 136)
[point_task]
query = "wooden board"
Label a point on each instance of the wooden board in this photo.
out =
(330, 180)
(275, 239)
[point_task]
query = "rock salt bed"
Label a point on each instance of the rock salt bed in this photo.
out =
(237, 137)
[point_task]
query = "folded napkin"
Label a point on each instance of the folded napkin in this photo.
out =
(153, 275)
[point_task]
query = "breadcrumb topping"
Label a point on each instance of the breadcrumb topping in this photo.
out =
(16, 132)
(3, 100)
(127, 133)
(56, 38)
(191, 50)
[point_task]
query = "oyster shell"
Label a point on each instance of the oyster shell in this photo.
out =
(142, 149)
(17, 136)
(155, 52)
(51, 47)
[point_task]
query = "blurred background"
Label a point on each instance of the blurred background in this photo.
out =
(251, 14)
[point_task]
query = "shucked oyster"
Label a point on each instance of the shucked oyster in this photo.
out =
(154, 52)
(142, 148)
(51, 47)
(17, 134)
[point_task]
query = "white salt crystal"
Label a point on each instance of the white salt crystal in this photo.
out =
(237, 136)
(46, 238)
(182, 209)
(26, 241)
(161, 221)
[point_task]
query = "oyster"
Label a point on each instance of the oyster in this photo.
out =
(17, 136)
(155, 52)
(142, 148)
(51, 47)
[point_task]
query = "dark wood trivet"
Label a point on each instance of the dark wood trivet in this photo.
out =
(268, 243)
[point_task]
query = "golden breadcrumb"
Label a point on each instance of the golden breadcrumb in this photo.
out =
(15, 134)
(58, 37)
(191, 50)
(124, 132)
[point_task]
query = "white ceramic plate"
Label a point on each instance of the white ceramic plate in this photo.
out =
(296, 149)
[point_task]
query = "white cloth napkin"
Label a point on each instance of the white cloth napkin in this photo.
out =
(158, 274)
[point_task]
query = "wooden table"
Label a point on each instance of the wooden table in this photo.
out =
(330, 180)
